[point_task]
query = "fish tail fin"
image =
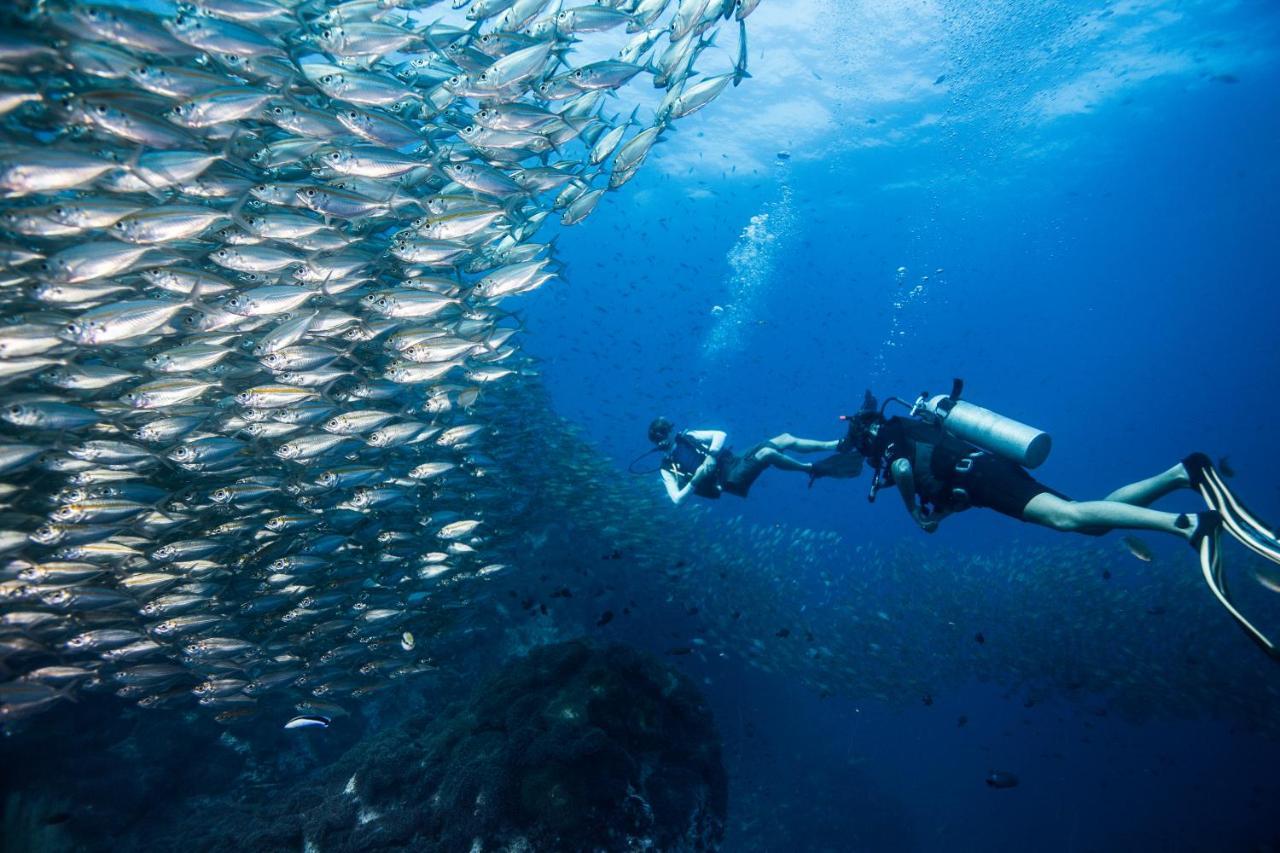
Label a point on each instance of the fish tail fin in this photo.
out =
(193, 298)
(405, 199)
(227, 154)
(234, 212)
(157, 191)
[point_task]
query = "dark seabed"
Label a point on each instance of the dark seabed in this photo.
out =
(314, 407)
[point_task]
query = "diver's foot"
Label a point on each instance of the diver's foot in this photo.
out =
(1193, 468)
(1196, 526)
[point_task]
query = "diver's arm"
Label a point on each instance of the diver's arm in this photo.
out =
(674, 491)
(713, 438)
(906, 480)
(678, 493)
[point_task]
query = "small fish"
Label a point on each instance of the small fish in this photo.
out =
(1001, 779)
(1224, 466)
(253, 253)
(307, 721)
(1138, 548)
(1267, 581)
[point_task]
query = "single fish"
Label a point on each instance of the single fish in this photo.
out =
(1138, 548)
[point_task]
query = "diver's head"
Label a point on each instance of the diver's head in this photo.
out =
(660, 431)
(863, 426)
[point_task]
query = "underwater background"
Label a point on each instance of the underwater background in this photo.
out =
(1071, 206)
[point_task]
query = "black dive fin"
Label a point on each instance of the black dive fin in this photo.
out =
(1205, 540)
(840, 465)
(1243, 525)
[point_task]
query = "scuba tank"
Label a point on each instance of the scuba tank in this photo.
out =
(983, 428)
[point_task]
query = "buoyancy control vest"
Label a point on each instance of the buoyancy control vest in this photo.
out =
(686, 456)
(934, 456)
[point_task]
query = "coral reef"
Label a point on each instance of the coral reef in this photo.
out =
(576, 747)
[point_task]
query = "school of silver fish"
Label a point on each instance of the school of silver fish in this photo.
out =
(254, 256)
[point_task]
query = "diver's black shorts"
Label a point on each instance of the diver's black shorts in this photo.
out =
(741, 471)
(1002, 485)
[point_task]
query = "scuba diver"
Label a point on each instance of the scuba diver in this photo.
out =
(948, 455)
(697, 461)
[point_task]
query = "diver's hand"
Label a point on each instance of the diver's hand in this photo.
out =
(923, 519)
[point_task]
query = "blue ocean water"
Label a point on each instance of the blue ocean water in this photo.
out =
(1071, 207)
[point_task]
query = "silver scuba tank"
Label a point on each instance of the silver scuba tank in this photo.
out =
(987, 430)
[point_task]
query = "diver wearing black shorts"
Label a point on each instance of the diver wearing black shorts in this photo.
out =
(938, 474)
(698, 462)
(950, 475)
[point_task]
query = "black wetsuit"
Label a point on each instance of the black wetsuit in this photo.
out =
(733, 474)
(951, 474)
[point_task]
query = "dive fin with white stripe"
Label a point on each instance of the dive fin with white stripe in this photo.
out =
(1226, 512)
(1253, 533)
(1205, 540)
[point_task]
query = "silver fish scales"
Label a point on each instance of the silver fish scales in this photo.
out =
(213, 224)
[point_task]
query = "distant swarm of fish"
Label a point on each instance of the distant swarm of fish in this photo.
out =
(1076, 620)
(253, 261)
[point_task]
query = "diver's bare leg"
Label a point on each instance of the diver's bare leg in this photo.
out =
(1145, 492)
(1095, 516)
(787, 441)
(781, 460)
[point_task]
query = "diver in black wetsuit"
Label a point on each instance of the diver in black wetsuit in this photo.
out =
(697, 461)
(938, 474)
